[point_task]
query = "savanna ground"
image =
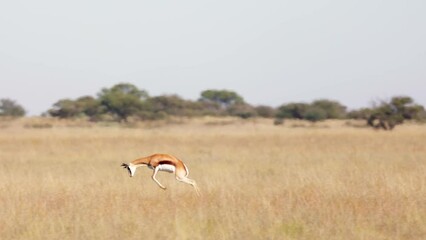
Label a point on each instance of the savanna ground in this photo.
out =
(258, 181)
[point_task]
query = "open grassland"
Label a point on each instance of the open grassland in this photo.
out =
(258, 181)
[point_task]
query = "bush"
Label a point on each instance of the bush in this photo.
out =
(331, 109)
(279, 121)
(265, 111)
(242, 110)
(292, 111)
(315, 114)
(363, 113)
(9, 108)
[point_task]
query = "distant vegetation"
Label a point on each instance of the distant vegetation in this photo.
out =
(389, 114)
(124, 102)
(10, 108)
(315, 111)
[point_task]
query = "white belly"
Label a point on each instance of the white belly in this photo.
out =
(166, 168)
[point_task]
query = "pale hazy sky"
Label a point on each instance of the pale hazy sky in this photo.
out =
(270, 52)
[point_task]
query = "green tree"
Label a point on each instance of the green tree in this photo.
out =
(10, 108)
(90, 107)
(265, 111)
(292, 111)
(65, 108)
(123, 100)
(407, 108)
(314, 114)
(173, 105)
(332, 109)
(224, 98)
(83, 106)
(389, 114)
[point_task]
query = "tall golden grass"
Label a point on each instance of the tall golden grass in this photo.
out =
(258, 181)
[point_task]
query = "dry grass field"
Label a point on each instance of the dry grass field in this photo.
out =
(258, 181)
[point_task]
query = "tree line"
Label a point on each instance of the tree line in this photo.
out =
(125, 101)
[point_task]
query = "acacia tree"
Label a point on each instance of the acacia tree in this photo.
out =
(173, 105)
(123, 100)
(64, 108)
(389, 114)
(292, 111)
(316, 111)
(90, 106)
(10, 108)
(332, 109)
(224, 98)
(83, 106)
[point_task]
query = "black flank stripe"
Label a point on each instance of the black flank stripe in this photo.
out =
(166, 162)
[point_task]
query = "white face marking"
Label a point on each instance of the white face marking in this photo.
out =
(166, 168)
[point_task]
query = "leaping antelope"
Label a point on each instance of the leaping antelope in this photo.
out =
(162, 162)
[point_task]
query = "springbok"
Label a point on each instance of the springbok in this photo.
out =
(162, 162)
